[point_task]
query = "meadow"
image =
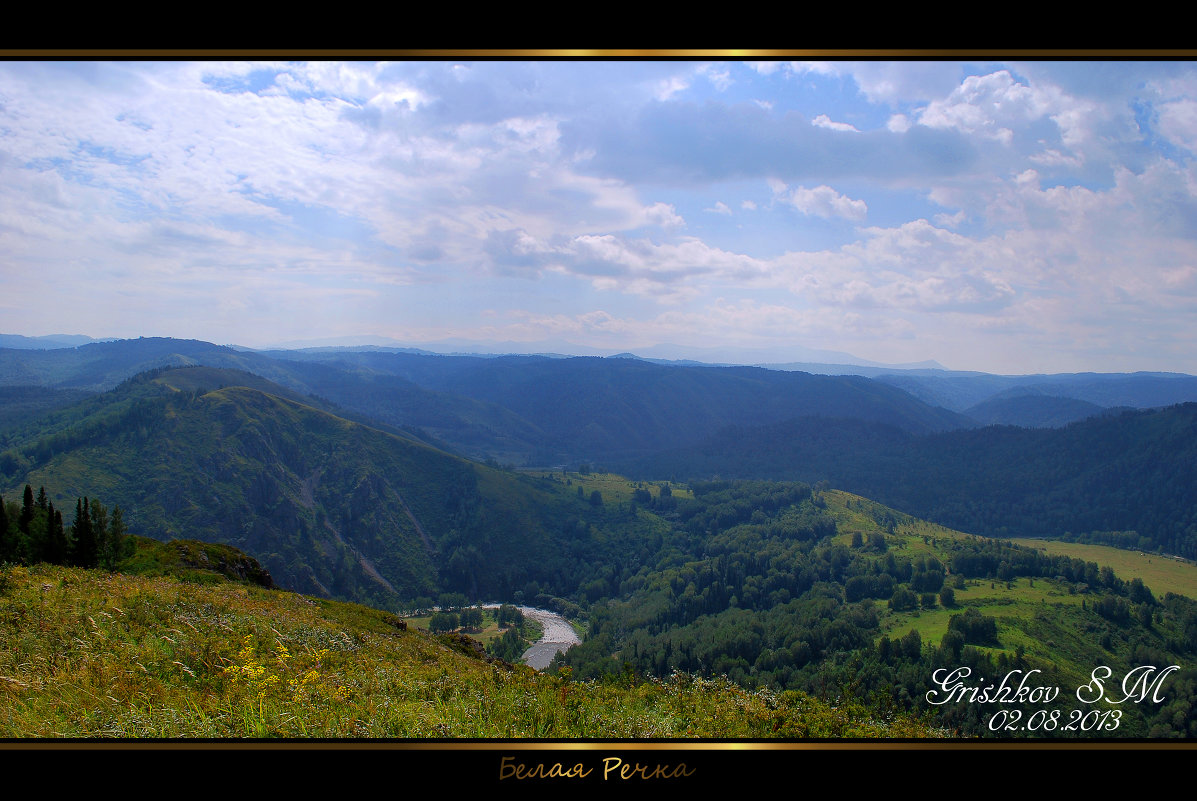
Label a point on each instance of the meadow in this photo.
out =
(89, 654)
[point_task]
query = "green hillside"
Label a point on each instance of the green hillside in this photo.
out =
(329, 506)
(1046, 617)
(243, 467)
(833, 594)
(91, 654)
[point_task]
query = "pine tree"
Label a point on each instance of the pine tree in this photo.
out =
(99, 524)
(114, 544)
(37, 527)
(13, 543)
(56, 550)
(26, 511)
(86, 546)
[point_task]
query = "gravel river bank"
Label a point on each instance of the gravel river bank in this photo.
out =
(558, 636)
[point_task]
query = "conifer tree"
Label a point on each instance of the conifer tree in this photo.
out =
(26, 511)
(99, 524)
(56, 550)
(37, 528)
(114, 544)
(13, 543)
(86, 546)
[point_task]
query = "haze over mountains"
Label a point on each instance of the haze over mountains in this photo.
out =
(920, 440)
(711, 355)
(46, 342)
(69, 362)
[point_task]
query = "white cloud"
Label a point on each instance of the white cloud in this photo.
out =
(823, 201)
(720, 78)
(888, 82)
(982, 103)
(994, 106)
(403, 96)
(950, 220)
(816, 67)
(823, 121)
(1178, 123)
(667, 271)
(664, 215)
(671, 86)
(1051, 157)
(765, 67)
(246, 189)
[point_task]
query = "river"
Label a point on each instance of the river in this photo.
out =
(558, 636)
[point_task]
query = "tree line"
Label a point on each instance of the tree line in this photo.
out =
(34, 531)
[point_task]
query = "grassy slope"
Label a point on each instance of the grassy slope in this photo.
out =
(1041, 615)
(90, 654)
(1161, 574)
(613, 487)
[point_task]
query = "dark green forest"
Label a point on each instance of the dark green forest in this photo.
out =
(1124, 480)
(757, 582)
(329, 506)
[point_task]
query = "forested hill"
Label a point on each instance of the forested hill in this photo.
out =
(329, 506)
(776, 586)
(962, 391)
(542, 410)
(1131, 472)
(599, 408)
(100, 366)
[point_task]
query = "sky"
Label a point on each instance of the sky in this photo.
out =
(1010, 217)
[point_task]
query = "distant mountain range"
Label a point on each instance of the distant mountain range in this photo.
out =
(518, 409)
(710, 355)
(284, 453)
(47, 342)
(527, 409)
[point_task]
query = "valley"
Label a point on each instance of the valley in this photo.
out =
(782, 532)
